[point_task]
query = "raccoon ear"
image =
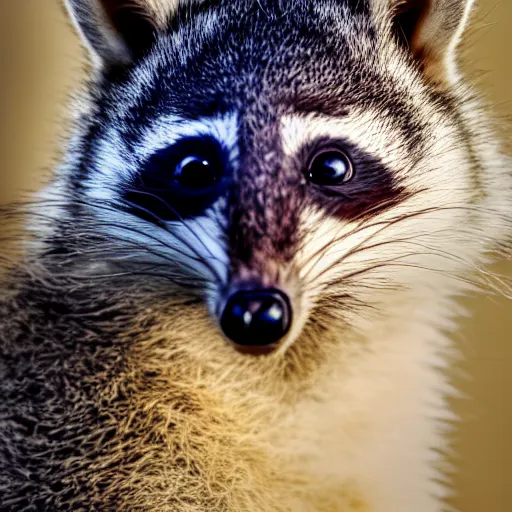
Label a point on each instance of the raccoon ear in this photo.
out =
(117, 32)
(432, 29)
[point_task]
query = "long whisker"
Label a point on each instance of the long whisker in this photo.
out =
(174, 212)
(128, 229)
(384, 225)
(394, 262)
(89, 230)
(185, 241)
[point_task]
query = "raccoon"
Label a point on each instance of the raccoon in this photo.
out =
(236, 292)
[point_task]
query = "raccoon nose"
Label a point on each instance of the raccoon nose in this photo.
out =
(256, 318)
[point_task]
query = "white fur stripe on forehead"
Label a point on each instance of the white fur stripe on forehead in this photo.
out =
(115, 161)
(367, 130)
(378, 135)
(167, 130)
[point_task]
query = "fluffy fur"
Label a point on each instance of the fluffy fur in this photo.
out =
(118, 391)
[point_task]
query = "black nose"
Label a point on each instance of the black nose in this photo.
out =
(256, 317)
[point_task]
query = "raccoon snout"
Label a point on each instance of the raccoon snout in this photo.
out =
(256, 317)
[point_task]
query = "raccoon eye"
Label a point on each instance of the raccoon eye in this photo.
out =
(181, 180)
(196, 173)
(330, 166)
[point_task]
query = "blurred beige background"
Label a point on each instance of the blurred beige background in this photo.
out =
(41, 62)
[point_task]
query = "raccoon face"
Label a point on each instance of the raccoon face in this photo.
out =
(295, 162)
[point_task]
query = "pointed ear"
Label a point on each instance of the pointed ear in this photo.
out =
(432, 29)
(117, 32)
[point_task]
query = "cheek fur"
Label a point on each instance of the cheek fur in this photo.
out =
(413, 245)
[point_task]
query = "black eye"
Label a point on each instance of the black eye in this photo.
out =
(196, 173)
(181, 180)
(330, 166)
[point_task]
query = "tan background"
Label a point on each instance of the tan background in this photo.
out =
(40, 62)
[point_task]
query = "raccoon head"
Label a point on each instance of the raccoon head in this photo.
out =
(298, 164)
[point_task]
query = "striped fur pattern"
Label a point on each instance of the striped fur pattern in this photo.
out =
(118, 391)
